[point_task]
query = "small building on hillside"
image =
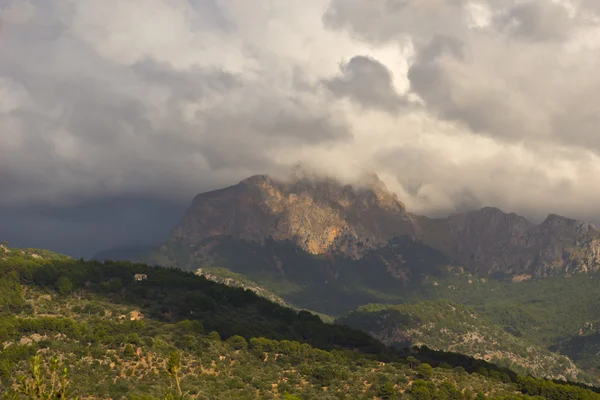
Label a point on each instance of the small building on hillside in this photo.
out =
(140, 277)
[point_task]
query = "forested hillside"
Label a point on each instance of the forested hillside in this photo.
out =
(451, 326)
(174, 334)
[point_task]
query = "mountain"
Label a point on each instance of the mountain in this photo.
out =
(329, 247)
(490, 241)
(320, 245)
(86, 329)
(321, 216)
(331, 229)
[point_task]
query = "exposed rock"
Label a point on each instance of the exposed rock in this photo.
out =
(520, 278)
(491, 241)
(135, 315)
(36, 337)
(324, 217)
(320, 216)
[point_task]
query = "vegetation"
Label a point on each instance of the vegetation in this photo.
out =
(558, 315)
(179, 335)
(447, 325)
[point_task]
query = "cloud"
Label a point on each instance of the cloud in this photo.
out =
(535, 20)
(380, 21)
(455, 103)
(151, 97)
(367, 82)
(522, 76)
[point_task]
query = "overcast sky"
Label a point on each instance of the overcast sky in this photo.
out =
(114, 113)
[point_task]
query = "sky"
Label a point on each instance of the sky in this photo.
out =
(115, 113)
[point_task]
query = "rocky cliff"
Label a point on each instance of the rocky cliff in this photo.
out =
(324, 217)
(491, 241)
(320, 216)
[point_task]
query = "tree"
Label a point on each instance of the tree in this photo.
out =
(420, 393)
(387, 391)
(173, 368)
(64, 286)
(460, 370)
(129, 352)
(237, 342)
(11, 292)
(37, 386)
(425, 371)
(412, 361)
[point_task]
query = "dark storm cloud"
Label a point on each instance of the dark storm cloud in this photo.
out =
(116, 222)
(367, 82)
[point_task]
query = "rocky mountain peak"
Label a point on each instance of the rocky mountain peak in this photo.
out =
(320, 214)
(490, 240)
(555, 222)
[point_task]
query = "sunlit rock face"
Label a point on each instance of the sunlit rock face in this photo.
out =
(320, 215)
(325, 217)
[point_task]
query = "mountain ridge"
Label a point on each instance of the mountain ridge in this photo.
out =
(327, 218)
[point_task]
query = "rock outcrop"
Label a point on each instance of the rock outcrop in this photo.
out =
(320, 216)
(491, 241)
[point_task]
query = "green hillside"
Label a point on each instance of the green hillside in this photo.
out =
(179, 335)
(450, 326)
(560, 313)
(557, 315)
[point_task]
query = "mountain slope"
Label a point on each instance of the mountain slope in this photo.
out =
(454, 327)
(491, 241)
(127, 338)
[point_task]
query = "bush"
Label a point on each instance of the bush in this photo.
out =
(237, 343)
(425, 371)
(64, 286)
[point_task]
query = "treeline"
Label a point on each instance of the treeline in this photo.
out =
(554, 391)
